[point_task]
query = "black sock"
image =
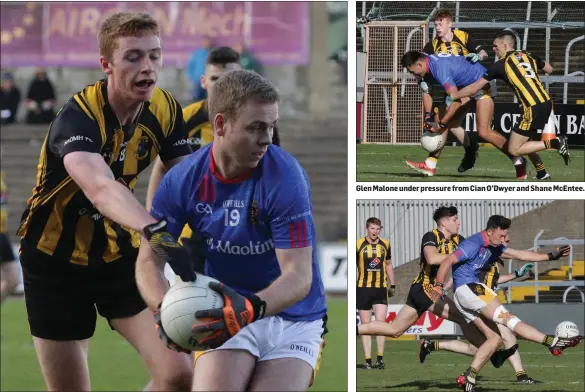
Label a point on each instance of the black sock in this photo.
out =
(369, 361)
(552, 144)
(380, 358)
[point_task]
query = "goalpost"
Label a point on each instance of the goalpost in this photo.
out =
(392, 98)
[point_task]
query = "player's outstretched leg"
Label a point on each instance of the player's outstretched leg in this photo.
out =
(497, 312)
(520, 145)
(404, 320)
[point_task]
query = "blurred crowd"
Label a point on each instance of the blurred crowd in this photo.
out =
(39, 102)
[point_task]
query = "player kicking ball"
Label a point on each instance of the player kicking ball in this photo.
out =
(452, 72)
(479, 304)
(518, 70)
(491, 277)
(251, 202)
(435, 246)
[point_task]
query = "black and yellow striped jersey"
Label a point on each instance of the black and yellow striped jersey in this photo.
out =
(3, 201)
(519, 70)
(59, 219)
(199, 129)
(199, 134)
(445, 246)
(490, 275)
(461, 45)
(371, 262)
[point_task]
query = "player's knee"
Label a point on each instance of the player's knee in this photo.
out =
(513, 150)
(173, 378)
(502, 316)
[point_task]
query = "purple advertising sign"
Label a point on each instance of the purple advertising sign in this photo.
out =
(65, 34)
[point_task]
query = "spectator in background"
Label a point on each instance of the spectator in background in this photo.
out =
(196, 69)
(9, 99)
(340, 57)
(9, 268)
(41, 99)
(247, 59)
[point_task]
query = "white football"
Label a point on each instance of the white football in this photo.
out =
(179, 306)
(432, 142)
(567, 329)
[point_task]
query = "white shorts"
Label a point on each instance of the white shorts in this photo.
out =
(275, 338)
(470, 302)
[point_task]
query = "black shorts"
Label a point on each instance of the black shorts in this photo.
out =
(533, 118)
(6, 253)
(366, 297)
(418, 298)
(61, 298)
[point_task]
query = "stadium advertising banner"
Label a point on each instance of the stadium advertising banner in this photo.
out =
(427, 323)
(65, 34)
(333, 266)
(568, 120)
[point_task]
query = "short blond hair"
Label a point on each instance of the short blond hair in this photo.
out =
(124, 24)
(234, 89)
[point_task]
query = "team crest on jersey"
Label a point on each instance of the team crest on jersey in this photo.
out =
(479, 290)
(374, 263)
(142, 150)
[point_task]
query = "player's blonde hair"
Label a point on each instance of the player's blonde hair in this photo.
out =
(124, 24)
(234, 89)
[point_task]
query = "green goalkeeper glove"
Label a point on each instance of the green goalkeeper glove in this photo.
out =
(525, 268)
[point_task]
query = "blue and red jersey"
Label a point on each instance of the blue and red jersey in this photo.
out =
(449, 70)
(473, 255)
(244, 221)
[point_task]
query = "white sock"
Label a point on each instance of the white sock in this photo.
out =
(431, 162)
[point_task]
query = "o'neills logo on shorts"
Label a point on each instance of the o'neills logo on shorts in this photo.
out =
(251, 248)
(296, 347)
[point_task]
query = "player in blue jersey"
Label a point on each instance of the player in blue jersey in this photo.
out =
(453, 72)
(250, 200)
(480, 304)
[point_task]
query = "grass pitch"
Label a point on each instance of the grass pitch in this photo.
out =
(404, 372)
(376, 162)
(115, 366)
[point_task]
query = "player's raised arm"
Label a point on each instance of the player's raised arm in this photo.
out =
(526, 255)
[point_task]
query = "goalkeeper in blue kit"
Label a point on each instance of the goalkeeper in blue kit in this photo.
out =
(250, 201)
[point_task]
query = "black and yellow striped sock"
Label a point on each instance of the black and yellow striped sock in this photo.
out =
(471, 372)
(520, 374)
(435, 346)
(552, 144)
(547, 341)
(540, 170)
